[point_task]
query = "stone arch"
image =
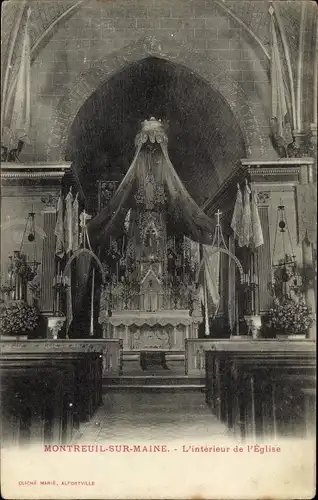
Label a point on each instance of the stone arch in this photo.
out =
(247, 114)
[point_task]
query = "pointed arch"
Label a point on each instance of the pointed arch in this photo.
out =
(243, 108)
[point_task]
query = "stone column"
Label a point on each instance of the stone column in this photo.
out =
(307, 250)
(48, 270)
(264, 253)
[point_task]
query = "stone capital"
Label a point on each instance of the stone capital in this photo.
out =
(50, 203)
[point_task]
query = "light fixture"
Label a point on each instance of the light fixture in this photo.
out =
(20, 269)
(285, 275)
(29, 233)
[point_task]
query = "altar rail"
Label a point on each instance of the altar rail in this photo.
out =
(195, 355)
(111, 350)
(263, 389)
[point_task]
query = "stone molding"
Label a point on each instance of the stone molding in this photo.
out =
(33, 170)
(33, 179)
(264, 172)
(280, 162)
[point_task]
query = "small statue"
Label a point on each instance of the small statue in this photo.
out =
(14, 153)
(293, 150)
(4, 153)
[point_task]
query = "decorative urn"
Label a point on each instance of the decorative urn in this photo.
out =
(54, 326)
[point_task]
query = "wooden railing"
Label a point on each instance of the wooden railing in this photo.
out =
(263, 389)
(111, 350)
(195, 355)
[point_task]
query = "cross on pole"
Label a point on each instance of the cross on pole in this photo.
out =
(218, 235)
(84, 218)
(218, 216)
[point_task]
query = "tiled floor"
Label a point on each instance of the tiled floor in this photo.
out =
(151, 416)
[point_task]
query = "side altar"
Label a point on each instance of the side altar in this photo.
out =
(151, 252)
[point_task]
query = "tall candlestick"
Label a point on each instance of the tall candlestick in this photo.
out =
(92, 304)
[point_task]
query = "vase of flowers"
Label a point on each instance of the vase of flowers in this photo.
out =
(6, 289)
(17, 318)
(290, 318)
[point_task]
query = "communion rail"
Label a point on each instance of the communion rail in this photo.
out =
(195, 355)
(263, 389)
(110, 350)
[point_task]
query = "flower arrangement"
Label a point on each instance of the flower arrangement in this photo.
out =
(290, 317)
(18, 318)
(6, 287)
(285, 270)
(286, 278)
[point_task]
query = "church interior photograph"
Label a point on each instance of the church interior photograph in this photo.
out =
(158, 220)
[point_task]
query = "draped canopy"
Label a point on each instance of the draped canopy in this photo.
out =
(183, 212)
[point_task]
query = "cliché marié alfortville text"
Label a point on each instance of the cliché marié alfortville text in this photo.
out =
(161, 448)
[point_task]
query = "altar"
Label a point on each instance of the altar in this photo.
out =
(151, 299)
(140, 330)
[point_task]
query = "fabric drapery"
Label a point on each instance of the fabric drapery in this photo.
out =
(246, 225)
(212, 273)
(257, 232)
(18, 124)
(183, 211)
(280, 101)
(236, 222)
(68, 222)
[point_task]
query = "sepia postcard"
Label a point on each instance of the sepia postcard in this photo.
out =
(158, 249)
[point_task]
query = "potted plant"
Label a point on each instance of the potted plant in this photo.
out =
(17, 319)
(289, 318)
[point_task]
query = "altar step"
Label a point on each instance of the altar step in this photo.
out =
(154, 378)
(129, 355)
(153, 382)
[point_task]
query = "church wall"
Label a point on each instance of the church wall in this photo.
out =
(96, 30)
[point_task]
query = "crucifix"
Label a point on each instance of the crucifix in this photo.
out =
(218, 234)
(84, 218)
(218, 216)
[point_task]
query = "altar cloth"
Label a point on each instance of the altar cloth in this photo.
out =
(140, 318)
